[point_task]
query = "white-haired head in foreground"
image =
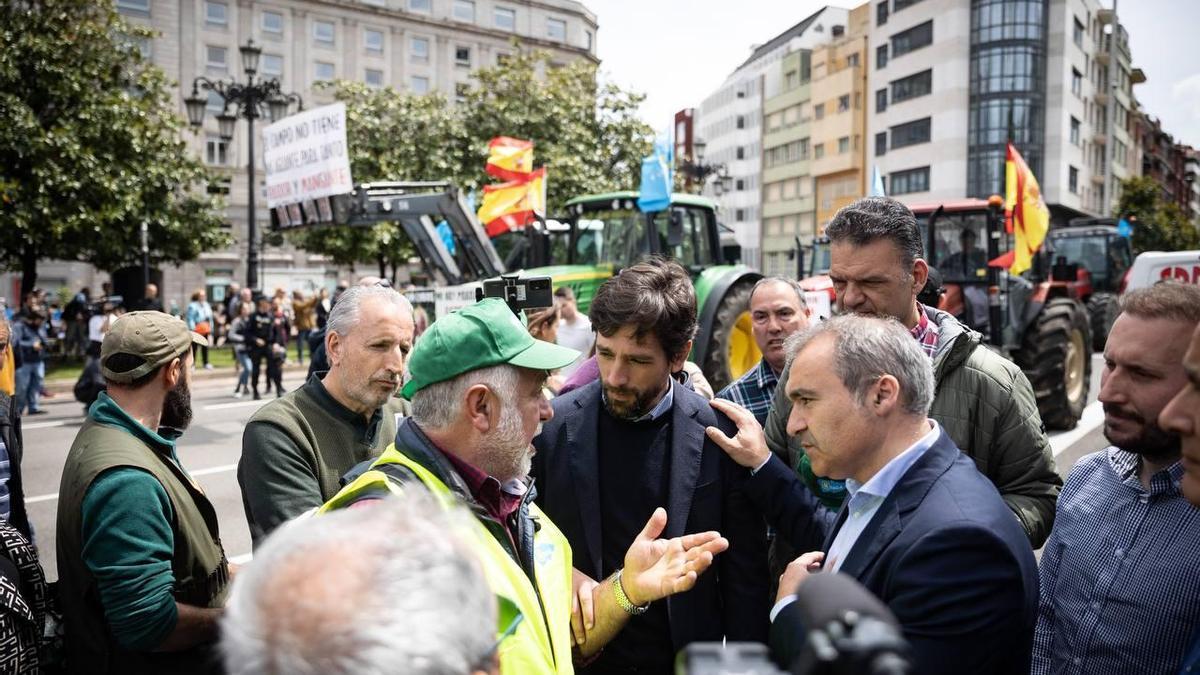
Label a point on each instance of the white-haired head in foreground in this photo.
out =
(382, 588)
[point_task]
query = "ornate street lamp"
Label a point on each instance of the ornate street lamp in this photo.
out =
(248, 100)
(698, 172)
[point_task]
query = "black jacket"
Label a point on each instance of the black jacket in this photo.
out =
(259, 326)
(705, 493)
(10, 432)
(943, 552)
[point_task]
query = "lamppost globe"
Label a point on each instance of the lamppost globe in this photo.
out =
(277, 107)
(699, 145)
(195, 105)
(250, 54)
(226, 123)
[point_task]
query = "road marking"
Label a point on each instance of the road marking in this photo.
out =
(1093, 416)
(199, 472)
(236, 404)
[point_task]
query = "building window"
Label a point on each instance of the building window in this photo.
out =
(741, 121)
(898, 5)
(324, 71)
(739, 185)
(323, 33)
(216, 13)
(993, 20)
(588, 34)
(1006, 68)
(464, 10)
(912, 86)
(272, 22)
(1073, 179)
(1077, 37)
(138, 7)
(418, 49)
(741, 152)
(739, 215)
(818, 151)
(419, 84)
(1076, 83)
(373, 77)
(843, 145)
(791, 80)
(912, 39)
(271, 65)
(880, 100)
(556, 29)
(462, 56)
(881, 144)
(819, 111)
(881, 13)
(461, 89)
(802, 148)
(216, 103)
(502, 58)
(852, 60)
(911, 133)
(1074, 131)
(420, 6)
(881, 57)
(505, 18)
(216, 151)
(215, 58)
(907, 182)
(844, 103)
(373, 41)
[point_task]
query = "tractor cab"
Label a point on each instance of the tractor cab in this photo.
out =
(610, 230)
(1096, 247)
(955, 237)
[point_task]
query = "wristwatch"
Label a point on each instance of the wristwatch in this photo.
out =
(623, 600)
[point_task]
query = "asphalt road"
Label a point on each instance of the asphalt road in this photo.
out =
(211, 446)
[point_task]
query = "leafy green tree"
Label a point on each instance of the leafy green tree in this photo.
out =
(587, 134)
(91, 145)
(1158, 225)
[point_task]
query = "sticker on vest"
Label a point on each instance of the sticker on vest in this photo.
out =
(543, 553)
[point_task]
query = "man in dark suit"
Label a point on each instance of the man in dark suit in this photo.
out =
(922, 529)
(634, 440)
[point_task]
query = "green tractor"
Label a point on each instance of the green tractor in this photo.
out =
(606, 232)
(600, 235)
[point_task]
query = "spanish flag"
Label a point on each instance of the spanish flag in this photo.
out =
(510, 158)
(513, 205)
(1025, 213)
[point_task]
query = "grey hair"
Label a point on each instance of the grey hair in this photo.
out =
(790, 283)
(872, 218)
(390, 588)
(867, 348)
(436, 405)
(346, 311)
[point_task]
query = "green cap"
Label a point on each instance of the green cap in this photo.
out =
(153, 336)
(481, 335)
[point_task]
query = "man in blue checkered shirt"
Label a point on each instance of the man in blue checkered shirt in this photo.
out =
(777, 310)
(1120, 577)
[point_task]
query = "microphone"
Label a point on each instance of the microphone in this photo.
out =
(847, 630)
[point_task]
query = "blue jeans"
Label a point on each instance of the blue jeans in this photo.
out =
(243, 358)
(29, 386)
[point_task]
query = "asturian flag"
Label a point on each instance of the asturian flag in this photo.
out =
(658, 175)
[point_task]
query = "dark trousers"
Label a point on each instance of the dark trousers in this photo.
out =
(257, 356)
(203, 350)
(275, 371)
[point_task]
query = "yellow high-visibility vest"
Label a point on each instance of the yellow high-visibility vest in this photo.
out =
(542, 642)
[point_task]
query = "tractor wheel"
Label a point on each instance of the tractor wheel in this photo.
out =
(1103, 310)
(732, 350)
(1056, 356)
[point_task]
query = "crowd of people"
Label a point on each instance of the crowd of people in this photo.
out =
(558, 491)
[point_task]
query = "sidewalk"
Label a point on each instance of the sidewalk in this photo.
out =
(59, 387)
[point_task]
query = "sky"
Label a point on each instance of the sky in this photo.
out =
(677, 51)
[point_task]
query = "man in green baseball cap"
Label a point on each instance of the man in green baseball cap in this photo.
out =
(476, 379)
(142, 574)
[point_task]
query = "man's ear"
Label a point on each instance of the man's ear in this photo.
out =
(173, 373)
(333, 348)
(920, 272)
(677, 362)
(884, 395)
(482, 408)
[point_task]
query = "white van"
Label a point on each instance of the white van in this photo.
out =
(1154, 266)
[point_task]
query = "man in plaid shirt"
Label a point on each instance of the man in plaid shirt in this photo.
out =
(777, 310)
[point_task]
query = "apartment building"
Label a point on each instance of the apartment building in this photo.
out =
(951, 81)
(414, 45)
(730, 122)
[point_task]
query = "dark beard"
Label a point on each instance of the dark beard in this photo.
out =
(1154, 443)
(642, 404)
(177, 407)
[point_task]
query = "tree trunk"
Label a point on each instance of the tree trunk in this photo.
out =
(29, 260)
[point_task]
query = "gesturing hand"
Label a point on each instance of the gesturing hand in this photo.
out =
(656, 568)
(583, 613)
(797, 571)
(749, 447)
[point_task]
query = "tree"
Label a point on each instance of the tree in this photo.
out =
(1158, 225)
(91, 145)
(586, 133)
